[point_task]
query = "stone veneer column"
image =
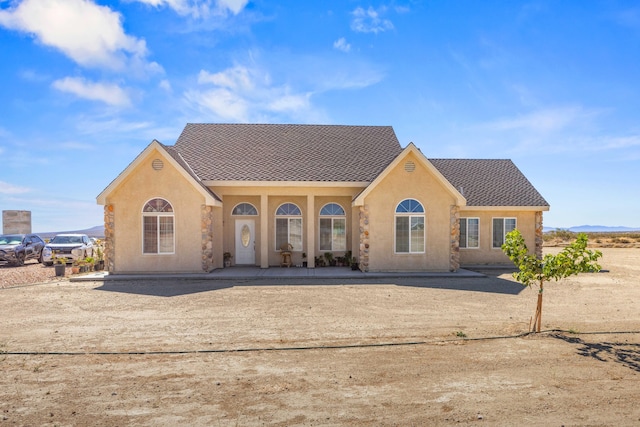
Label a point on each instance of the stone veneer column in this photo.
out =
(109, 239)
(206, 232)
(363, 261)
(454, 226)
(539, 240)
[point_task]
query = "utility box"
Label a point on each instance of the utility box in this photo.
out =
(16, 222)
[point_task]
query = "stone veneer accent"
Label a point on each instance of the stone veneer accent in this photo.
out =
(539, 240)
(363, 260)
(109, 239)
(454, 226)
(206, 231)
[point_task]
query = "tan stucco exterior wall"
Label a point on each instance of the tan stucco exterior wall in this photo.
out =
(486, 254)
(141, 185)
(275, 196)
(422, 185)
(203, 233)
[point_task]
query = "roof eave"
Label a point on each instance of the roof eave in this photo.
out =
(504, 208)
(248, 183)
(211, 199)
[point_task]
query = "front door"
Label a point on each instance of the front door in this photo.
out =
(245, 241)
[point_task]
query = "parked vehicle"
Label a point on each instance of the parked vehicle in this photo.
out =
(18, 248)
(70, 246)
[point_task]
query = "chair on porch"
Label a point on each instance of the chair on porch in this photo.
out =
(285, 252)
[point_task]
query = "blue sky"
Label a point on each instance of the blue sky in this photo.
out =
(553, 85)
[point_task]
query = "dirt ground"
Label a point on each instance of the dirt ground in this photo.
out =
(409, 352)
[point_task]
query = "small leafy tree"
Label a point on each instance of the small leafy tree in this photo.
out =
(573, 259)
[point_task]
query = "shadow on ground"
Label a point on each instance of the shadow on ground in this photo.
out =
(627, 354)
(176, 287)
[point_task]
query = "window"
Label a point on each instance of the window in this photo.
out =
(157, 222)
(502, 226)
(289, 226)
(410, 235)
(244, 209)
(469, 232)
(333, 228)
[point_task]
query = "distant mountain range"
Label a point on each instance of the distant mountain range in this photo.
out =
(97, 232)
(593, 229)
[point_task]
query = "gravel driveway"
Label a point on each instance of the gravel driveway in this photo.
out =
(30, 273)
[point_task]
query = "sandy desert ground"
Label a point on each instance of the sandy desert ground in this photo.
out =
(384, 353)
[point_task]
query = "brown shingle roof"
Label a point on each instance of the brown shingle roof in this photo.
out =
(333, 153)
(489, 182)
(178, 158)
(284, 152)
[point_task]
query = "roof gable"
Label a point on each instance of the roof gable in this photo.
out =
(411, 148)
(174, 159)
(285, 152)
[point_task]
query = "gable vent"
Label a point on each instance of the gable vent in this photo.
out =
(409, 166)
(157, 164)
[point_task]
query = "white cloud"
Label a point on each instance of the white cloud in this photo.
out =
(96, 126)
(222, 102)
(242, 94)
(90, 34)
(621, 142)
(341, 44)
(6, 188)
(235, 6)
(370, 20)
(200, 8)
(545, 120)
(233, 78)
(33, 76)
(166, 85)
(290, 103)
(108, 93)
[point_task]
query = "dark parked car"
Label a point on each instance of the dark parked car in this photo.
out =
(18, 248)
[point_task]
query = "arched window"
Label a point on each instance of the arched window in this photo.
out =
(333, 228)
(410, 229)
(158, 236)
(244, 209)
(289, 226)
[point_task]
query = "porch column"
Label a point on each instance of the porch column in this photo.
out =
(264, 231)
(311, 235)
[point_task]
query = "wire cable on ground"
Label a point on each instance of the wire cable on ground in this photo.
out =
(302, 348)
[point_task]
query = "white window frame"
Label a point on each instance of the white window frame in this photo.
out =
(157, 215)
(466, 237)
(289, 218)
(410, 215)
(244, 214)
(332, 218)
(504, 230)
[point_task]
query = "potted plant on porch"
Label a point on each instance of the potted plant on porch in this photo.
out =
(227, 259)
(328, 256)
(99, 265)
(75, 267)
(90, 263)
(59, 263)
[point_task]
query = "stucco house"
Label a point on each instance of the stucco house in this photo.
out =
(249, 189)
